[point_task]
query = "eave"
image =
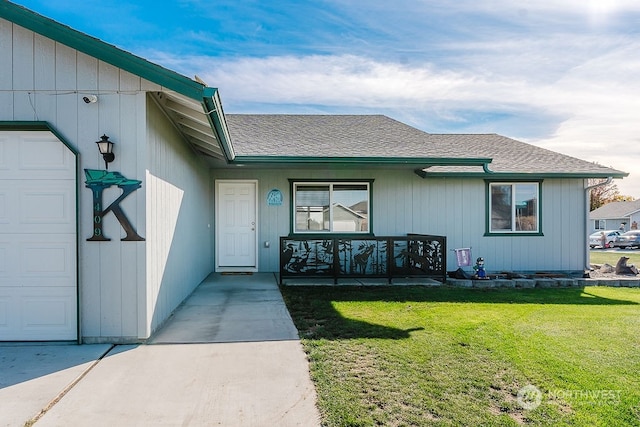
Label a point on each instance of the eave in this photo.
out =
(423, 162)
(517, 175)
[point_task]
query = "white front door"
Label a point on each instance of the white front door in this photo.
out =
(236, 229)
(37, 238)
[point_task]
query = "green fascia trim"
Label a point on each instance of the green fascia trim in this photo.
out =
(328, 235)
(518, 176)
(100, 50)
(422, 161)
(292, 181)
(23, 125)
(514, 234)
(39, 126)
(213, 108)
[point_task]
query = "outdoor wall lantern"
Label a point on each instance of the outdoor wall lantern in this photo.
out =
(106, 149)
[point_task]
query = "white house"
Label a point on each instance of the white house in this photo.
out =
(616, 214)
(103, 248)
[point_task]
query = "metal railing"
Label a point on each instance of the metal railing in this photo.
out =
(313, 256)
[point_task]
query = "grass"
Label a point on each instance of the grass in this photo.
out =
(612, 257)
(416, 356)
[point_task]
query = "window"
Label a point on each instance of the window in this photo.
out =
(514, 207)
(331, 207)
(600, 224)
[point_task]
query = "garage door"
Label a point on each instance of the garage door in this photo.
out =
(37, 238)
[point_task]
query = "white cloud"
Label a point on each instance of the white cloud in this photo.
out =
(603, 101)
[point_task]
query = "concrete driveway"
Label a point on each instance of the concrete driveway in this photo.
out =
(229, 356)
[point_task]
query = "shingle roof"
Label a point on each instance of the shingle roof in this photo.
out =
(378, 136)
(331, 136)
(615, 210)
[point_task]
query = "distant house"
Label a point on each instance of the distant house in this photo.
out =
(103, 247)
(614, 215)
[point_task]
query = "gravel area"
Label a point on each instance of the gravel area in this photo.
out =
(608, 271)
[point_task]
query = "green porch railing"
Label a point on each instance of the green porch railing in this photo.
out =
(313, 256)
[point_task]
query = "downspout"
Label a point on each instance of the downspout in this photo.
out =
(587, 210)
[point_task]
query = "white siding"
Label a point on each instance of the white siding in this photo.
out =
(452, 207)
(179, 218)
(614, 223)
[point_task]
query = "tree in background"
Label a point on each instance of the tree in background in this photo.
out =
(604, 194)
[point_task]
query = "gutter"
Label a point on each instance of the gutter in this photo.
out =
(587, 190)
(213, 109)
(421, 162)
(484, 162)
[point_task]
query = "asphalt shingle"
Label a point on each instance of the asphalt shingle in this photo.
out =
(615, 210)
(378, 136)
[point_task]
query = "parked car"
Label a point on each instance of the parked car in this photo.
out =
(595, 239)
(630, 239)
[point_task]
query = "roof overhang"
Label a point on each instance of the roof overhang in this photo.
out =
(200, 121)
(413, 163)
(515, 175)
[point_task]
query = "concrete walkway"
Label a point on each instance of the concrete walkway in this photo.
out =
(229, 356)
(230, 308)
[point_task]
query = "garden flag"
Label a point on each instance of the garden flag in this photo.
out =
(463, 256)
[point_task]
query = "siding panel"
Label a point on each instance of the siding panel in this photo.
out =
(45, 59)
(87, 74)
(453, 207)
(6, 104)
(65, 68)
(6, 53)
(22, 59)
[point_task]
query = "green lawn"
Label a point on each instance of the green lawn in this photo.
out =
(404, 356)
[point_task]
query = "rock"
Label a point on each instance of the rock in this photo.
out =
(607, 268)
(623, 268)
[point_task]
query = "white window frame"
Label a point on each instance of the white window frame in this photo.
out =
(514, 228)
(331, 185)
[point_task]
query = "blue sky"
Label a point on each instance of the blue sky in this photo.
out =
(563, 75)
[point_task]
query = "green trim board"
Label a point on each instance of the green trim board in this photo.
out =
(308, 236)
(418, 161)
(518, 175)
(38, 126)
(213, 109)
(347, 180)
